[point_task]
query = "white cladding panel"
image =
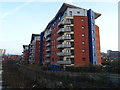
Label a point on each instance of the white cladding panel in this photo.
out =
(75, 12)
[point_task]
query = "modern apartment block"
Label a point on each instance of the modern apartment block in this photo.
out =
(70, 38)
(34, 49)
(25, 53)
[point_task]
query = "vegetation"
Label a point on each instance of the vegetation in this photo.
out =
(106, 67)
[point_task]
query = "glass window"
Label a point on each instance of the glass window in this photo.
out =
(83, 35)
(78, 12)
(83, 27)
(83, 59)
(82, 19)
(83, 50)
(83, 42)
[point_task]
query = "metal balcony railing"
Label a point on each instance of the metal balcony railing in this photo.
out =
(64, 38)
(48, 55)
(47, 50)
(64, 53)
(64, 62)
(65, 21)
(47, 61)
(64, 30)
(48, 33)
(64, 46)
(48, 39)
(48, 44)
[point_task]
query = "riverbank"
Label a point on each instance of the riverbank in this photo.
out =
(22, 76)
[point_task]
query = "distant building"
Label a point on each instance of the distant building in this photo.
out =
(2, 52)
(113, 55)
(25, 53)
(34, 49)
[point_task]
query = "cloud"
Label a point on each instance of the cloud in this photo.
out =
(15, 10)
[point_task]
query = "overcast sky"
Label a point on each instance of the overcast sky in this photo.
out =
(18, 20)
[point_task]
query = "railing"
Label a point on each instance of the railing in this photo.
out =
(48, 55)
(64, 62)
(64, 38)
(64, 46)
(64, 30)
(64, 53)
(66, 21)
(48, 39)
(48, 33)
(47, 61)
(48, 44)
(48, 50)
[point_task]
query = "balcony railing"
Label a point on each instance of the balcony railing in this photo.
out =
(64, 62)
(64, 53)
(48, 33)
(48, 44)
(48, 55)
(47, 50)
(47, 61)
(66, 21)
(48, 39)
(64, 38)
(64, 30)
(64, 46)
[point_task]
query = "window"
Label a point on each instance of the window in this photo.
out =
(53, 59)
(83, 42)
(93, 39)
(83, 59)
(70, 13)
(82, 19)
(92, 31)
(83, 27)
(83, 35)
(83, 50)
(78, 12)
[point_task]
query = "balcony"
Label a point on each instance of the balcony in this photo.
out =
(64, 53)
(48, 55)
(48, 33)
(62, 30)
(64, 46)
(63, 62)
(47, 61)
(64, 38)
(65, 22)
(48, 44)
(48, 39)
(48, 50)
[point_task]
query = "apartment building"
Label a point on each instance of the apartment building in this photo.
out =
(25, 53)
(72, 38)
(34, 49)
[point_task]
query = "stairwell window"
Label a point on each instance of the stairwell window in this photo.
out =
(82, 19)
(83, 35)
(83, 59)
(70, 13)
(83, 50)
(83, 27)
(83, 42)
